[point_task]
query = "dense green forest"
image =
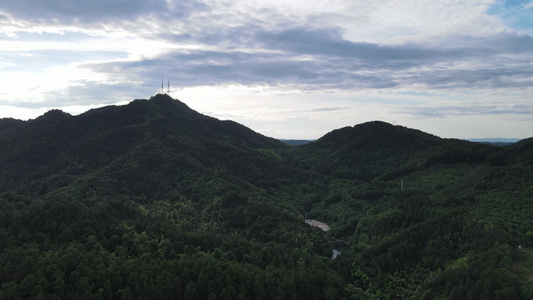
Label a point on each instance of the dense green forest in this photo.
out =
(152, 200)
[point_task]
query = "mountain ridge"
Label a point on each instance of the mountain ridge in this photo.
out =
(154, 190)
(100, 135)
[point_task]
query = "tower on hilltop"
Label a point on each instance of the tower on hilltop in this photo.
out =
(162, 86)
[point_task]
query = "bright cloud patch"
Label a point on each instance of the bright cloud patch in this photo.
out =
(275, 64)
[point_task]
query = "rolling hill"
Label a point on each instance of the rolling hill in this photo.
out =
(154, 200)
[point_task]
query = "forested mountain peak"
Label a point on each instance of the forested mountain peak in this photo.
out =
(57, 113)
(525, 143)
(168, 102)
(109, 134)
(155, 200)
(377, 134)
(51, 117)
(8, 123)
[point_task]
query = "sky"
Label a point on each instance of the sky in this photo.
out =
(284, 68)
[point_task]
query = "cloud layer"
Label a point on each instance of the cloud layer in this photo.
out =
(408, 60)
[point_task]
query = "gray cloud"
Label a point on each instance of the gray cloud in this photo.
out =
(329, 43)
(324, 109)
(90, 12)
(31, 61)
(86, 93)
(481, 78)
(466, 109)
(334, 63)
(311, 59)
(211, 68)
(516, 44)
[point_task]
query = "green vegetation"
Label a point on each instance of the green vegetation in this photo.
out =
(152, 200)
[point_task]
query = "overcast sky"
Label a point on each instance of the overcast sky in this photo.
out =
(284, 68)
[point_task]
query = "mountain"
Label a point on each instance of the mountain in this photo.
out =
(8, 123)
(496, 141)
(434, 210)
(142, 131)
(155, 200)
(296, 142)
(378, 134)
(373, 149)
(151, 200)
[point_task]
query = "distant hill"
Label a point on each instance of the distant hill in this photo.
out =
(378, 134)
(155, 200)
(371, 149)
(496, 141)
(296, 142)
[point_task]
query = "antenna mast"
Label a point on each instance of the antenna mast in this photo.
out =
(168, 87)
(161, 84)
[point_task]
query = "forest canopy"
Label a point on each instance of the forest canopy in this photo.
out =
(152, 200)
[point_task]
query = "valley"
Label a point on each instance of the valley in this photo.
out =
(152, 200)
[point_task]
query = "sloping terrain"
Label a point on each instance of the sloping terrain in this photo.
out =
(445, 220)
(154, 200)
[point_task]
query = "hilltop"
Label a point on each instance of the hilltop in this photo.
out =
(155, 200)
